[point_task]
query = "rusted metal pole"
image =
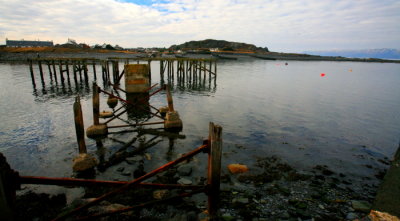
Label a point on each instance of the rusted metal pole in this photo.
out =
(66, 181)
(32, 75)
(96, 104)
(79, 128)
(214, 168)
(133, 182)
(169, 99)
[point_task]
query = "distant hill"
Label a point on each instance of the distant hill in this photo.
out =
(384, 53)
(220, 44)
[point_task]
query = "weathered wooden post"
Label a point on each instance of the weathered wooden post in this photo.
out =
(8, 186)
(149, 64)
(96, 104)
(96, 130)
(74, 67)
(79, 128)
(214, 168)
(54, 70)
(83, 161)
(85, 71)
(32, 75)
(41, 72)
(51, 74)
(172, 120)
(67, 67)
(94, 71)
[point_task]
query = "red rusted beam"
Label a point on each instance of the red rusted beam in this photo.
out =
(65, 181)
(133, 182)
(92, 217)
(127, 102)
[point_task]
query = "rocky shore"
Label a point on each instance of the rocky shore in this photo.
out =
(270, 190)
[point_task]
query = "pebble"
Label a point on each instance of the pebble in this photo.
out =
(242, 200)
(120, 169)
(351, 216)
(184, 181)
(126, 173)
(362, 206)
(184, 170)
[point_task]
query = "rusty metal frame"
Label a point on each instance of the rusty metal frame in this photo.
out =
(135, 182)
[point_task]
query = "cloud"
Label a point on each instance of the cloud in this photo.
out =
(277, 24)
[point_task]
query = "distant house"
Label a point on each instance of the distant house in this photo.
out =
(23, 43)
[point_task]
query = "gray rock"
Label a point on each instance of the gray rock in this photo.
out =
(120, 169)
(227, 217)
(285, 215)
(132, 160)
(362, 206)
(84, 162)
(184, 181)
(185, 170)
(242, 200)
(351, 216)
(126, 173)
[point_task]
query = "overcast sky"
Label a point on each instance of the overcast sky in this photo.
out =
(280, 25)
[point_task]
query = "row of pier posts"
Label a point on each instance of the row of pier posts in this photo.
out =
(191, 70)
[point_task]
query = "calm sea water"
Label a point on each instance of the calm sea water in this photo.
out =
(347, 119)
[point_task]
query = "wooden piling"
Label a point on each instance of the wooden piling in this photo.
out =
(54, 70)
(41, 72)
(214, 168)
(51, 74)
(32, 74)
(96, 104)
(74, 67)
(169, 99)
(85, 71)
(79, 127)
(94, 70)
(67, 68)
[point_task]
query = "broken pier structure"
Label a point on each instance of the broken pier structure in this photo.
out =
(62, 71)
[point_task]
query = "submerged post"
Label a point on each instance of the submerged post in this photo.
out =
(83, 162)
(96, 130)
(79, 128)
(172, 120)
(214, 168)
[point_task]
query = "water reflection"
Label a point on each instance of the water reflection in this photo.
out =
(188, 82)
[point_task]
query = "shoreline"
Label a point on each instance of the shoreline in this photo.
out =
(22, 57)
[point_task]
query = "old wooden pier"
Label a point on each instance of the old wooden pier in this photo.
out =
(64, 70)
